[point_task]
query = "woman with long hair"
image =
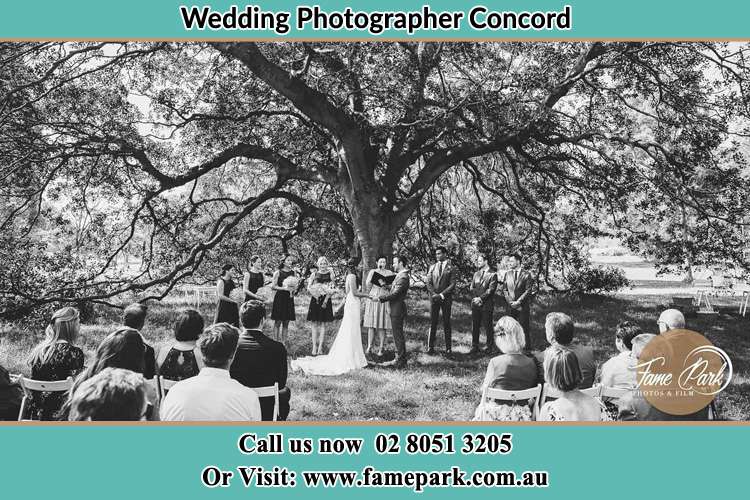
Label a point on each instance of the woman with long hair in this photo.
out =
(346, 352)
(123, 348)
(320, 312)
(55, 358)
(228, 309)
(282, 311)
(377, 314)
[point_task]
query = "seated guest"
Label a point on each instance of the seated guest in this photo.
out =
(511, 371)
(670, 319)
(559, 329)
(113, 394)
(122, 348)
(56, 358)
(10, 396)
(134, 317)
(182, 358)
(261, 361)
(562, 372)
(212, 395)
(618, 371)
(633, 406)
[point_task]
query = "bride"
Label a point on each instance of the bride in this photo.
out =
(346, 352)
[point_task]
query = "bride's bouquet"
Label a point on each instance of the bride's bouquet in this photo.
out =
(291, 282)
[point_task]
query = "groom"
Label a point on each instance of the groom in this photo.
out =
(397, 301)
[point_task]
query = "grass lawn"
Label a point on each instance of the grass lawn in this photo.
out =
(432, 387)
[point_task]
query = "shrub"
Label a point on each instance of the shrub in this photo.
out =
(597, 280)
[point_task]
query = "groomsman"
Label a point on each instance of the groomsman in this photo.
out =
(517, 292)
(483, 287)
(441, 281)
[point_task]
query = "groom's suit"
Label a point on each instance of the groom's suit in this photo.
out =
(397, 301)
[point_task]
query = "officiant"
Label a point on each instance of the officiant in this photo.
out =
(378, 314)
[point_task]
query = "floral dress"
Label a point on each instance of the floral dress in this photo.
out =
(64, 361)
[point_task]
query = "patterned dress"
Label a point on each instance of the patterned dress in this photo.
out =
(179, 365)
(377, 314)
(283, 302)
(320, 311)
(65, 361)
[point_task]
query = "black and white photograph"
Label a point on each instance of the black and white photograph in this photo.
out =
(369, 231)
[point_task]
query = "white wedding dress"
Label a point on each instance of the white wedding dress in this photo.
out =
(346, 353)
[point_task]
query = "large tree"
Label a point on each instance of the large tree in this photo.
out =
(165, 149)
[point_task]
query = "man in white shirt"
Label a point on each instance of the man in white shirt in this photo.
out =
(212, 395)
(618, 371)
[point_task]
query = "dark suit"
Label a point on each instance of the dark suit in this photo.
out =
(633, 406)
(259, 362)
(483, 286)
(441, 282)
(517, 286)
(397, 301)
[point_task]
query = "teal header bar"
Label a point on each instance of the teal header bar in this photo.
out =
(385, 19)
(612, 462)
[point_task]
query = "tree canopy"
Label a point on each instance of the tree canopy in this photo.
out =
(176, 155)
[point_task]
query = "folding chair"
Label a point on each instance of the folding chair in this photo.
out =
(524, 395)
(163, 385)
(613, 392)
(30, 385)
(267, 392)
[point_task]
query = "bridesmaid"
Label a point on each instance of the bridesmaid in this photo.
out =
(282, 311)
(320, 312)
(253, 279)
(227, 311)
(377, 314)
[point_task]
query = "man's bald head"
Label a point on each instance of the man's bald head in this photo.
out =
(671, 319)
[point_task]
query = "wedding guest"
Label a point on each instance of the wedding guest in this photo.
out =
(282, 311)
(618, 371)
(11, 395)
(134, 316)
(441, 281)
(670, 319)
(562, 372)
(212, 395)
(320, 312)
(512, 371)
(253, 279)
(182, 359)
(483, 287)
(634, 407)
(560, 329)
(124, 349)
(227, 309)
(261, 361)
(55, 358)
(114, 394)
(516, 288)
(377, 314)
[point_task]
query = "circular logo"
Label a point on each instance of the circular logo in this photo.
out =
(679, 372)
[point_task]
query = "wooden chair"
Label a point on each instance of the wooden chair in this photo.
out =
(550, 392)
(163, 385)
(268, 392)
(490, 393)
(29, 385)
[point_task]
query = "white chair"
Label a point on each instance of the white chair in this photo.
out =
(524, 395)
(163, 385)
(550, 392)
(268, 392)
(29, 385)
(613, 392)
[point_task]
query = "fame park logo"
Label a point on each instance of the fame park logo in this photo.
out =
(680, 372)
